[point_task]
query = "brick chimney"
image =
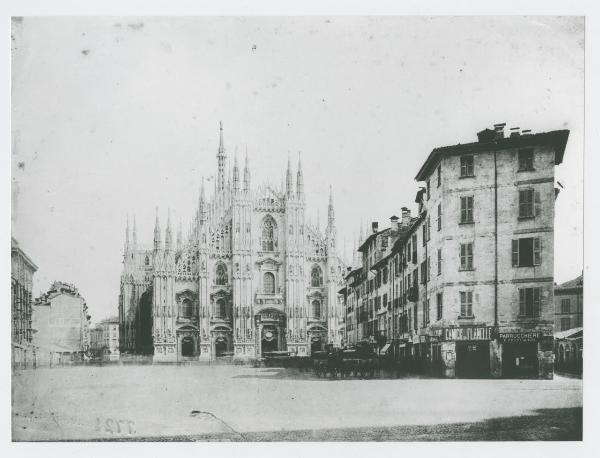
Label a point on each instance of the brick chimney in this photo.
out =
(499, 129)
(515, 131)
(394, 225)
(405, 216)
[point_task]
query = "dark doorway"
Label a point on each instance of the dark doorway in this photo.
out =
(144, 340)
(316, 344)
(269, 340)
(519, 360)
(472, 359)
(220, 347)
(187, 346)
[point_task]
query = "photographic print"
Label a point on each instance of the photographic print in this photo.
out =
(358, 228)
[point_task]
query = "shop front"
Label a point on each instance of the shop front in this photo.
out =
(520, 354)
(464, 352)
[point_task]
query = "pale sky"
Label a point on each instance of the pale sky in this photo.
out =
(113, 116)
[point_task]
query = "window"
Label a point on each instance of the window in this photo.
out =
(525, 159)
(269, 241)
(425, 312)
(466, 303)
(221, 275)
(416, 314)
(424, 272)
(529, 203)
(408, 251)
(316, 277)
(316, 309)
(439, 175)
(221, 309)
(565, 306)
(529, 302)
(466, 256)
(526, 252)
(439, 261)
(428, 229)
(466, 210)
(187, 308)
(440, 305)
(424, 234)
(385, 275)
(439, 217)
(414, 248)
(466, 166)
(269, 283)
(428, 189)
(565, 323)
(147, 260)
(428, 267)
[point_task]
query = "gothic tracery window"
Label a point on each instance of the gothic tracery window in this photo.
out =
(221, 275)
(187, 308)
(221, 308)
(269, 241)
(316, 309)
(316, 277)
(147, 261)
(269, 283)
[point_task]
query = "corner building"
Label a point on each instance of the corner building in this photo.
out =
(252, 276)
(465, 288)
(486, 251)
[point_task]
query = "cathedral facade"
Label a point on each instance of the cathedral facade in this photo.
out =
(252, 276)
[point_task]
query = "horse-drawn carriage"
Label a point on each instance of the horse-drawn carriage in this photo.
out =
(357, 361)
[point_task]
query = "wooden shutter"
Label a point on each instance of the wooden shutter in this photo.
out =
(515, 253)
(537, 251)
(537, 203)
(536, 302)
(522, 302)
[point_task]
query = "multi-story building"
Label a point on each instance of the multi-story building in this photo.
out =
(568, 305)
(252, 276)
(471, 278)
(21, 284)
(104, 339)
(61, 324)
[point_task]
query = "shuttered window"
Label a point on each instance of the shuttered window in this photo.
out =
(526, 252)
(529, 302)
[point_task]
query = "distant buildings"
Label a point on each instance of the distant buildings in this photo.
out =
(465, 289)
(568, 305)
(21, 284)
(104, 339)
(61, 325)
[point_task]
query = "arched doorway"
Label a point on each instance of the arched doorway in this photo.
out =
(144, 339)
(187, 346)
(220, 347)
(269, 339)
(316, 344)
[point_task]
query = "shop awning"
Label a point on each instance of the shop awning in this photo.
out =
(385, 349)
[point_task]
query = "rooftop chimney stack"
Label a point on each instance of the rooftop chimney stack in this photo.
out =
(405, 216)
(526, 132)
(515, 132)
(394, 225)
(499, 129)
(375, 227)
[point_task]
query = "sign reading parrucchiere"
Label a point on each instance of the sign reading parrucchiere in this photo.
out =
(531, 336)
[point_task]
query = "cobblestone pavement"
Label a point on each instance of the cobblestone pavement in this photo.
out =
(242, 403)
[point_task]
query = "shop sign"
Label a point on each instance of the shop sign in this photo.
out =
(468, 333)
(532, 336)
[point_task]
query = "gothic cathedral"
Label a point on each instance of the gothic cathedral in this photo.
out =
(251, 277)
